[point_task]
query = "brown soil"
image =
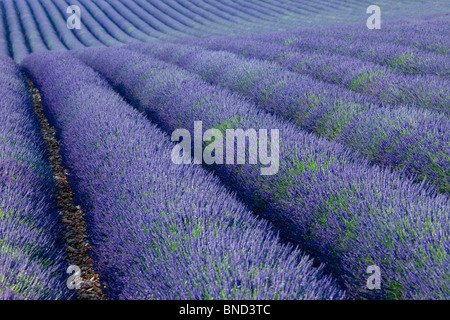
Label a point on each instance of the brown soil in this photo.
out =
(72, 216)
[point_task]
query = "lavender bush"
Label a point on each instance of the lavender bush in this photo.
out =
(39, 25)
(361, 169)
(422, 33)
(90, 27)
(138, 20)
(187, 14)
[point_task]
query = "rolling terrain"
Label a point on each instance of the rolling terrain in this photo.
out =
(87, 149)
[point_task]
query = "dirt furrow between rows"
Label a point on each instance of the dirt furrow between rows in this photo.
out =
(72, 216)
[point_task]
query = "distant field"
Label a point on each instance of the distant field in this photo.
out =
(32, 26)
(115, 150)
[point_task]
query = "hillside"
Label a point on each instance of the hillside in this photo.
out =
(224, 150)
(31, 26)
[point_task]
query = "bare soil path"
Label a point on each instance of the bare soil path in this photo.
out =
(72, 216)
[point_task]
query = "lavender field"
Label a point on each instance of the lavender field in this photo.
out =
(224, 150)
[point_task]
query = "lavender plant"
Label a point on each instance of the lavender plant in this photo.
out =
(427, 34)
(92, 31)
(139, 19)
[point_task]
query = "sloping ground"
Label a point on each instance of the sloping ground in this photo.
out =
(362, 178)
(31, 26)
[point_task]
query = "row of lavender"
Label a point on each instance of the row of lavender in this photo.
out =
(4, 47)
(18, 46)
(31, 251)
(404, 59)
(96, 24)
(427, 34)
(378, 82)
(345, 212)
(160, 230)
(407, 139)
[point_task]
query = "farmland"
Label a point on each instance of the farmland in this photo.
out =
(352, 176)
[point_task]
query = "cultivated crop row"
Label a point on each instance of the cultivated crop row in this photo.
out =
(404, 59)
(427, 35)
(375, 81)
(158, 15)
(116, 18)
(31, 252)
(15, 33)
(48, 31)
(142, 20)
(83, 35)
(30, 28)
(160, 230)
(408, 139)
(4, 49)
(92, 26)
(347, 213)
(186, 13)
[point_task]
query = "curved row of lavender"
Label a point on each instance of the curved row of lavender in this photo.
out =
(49, 30)
(145, 22)
(378, 82)
(160, 230)
(157, 15)
(30, 27)
(403, 59)
(410, 140)
(430, 34)
(345, 212)
(58, 18)
(186, 17)
(128, 28)
(31, 251)
(94, 27)
(84, 35)
(18, 46)
(4, 49)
